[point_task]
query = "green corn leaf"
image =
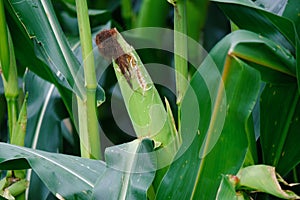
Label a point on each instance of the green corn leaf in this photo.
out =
(263, 178)
(130, 171)
(4, 46)
(130, 166)
(282, 30)
(41, 45)
(70, 176)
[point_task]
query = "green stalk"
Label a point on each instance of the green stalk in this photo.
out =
(88, 123)
(127, 13)
(180, 49)
(197, 11)
(153, 13)
(4, 49)
(12, 109)
(295, 175)
(19, 131)
(196, 17)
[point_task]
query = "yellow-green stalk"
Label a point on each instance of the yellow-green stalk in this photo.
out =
(180, 50)
(87, 117)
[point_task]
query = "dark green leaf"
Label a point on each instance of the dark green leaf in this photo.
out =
(131, 168)
(70, 175)
(254, 18)
(283, 30)
(280, 126)
(4, 45)
(221, 145)
(291, 12)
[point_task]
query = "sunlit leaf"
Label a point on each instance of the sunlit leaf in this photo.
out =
(199, 169)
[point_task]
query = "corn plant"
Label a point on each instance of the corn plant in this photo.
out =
(225, 126)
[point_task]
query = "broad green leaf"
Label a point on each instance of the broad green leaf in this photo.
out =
(292, 12)
(70, 175)
(263, 178)
(129, 173)
(275, 63)
(4, 46)
(41, 43)
(48, 39)
(282, 30)
(278, 129)
(130, 167)
(256, 19)
(221, 143)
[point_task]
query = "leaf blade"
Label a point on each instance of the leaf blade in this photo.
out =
(64, 170)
